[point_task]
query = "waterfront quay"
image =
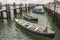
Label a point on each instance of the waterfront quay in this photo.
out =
(54, 13)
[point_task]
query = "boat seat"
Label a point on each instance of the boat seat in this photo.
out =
(20, 22)
(17, 19)
(29, 26)
(25, 23)
(36, 29)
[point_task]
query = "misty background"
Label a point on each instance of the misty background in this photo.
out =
(26, 1)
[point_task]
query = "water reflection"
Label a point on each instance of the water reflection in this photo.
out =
(8, 31)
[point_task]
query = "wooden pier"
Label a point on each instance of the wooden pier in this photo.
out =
(8, 9)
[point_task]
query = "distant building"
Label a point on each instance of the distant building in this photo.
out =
(0, 5)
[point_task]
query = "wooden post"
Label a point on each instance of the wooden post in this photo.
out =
(20, 8)
(29, 7)
(1, 14)
(8, 11)
(54, 9)
(49, 5)
(26, 7)
(0, 5)
(15, 12)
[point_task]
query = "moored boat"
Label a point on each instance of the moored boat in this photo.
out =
(35, 28)
(38, 10)
(30, 17)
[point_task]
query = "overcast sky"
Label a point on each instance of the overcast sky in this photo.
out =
(26, 1)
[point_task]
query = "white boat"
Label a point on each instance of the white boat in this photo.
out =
(30, 17)
(35, 28)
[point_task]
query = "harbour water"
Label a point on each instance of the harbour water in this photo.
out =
(9, 30)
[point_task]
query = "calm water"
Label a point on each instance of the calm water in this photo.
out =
(9, 30)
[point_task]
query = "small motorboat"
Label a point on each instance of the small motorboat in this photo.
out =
(30, 17)
(38, 10)
(35, 28)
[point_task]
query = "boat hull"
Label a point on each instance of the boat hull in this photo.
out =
(31, 19)
(34, 19)
(38, 12)
(46, 35)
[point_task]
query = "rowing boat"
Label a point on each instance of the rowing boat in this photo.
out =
(35, 28)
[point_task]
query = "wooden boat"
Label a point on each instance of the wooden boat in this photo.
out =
(38, 10)
(35, 28)
(30, 17)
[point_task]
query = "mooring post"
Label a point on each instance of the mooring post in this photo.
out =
(29, 7)
(26, 7)
(54, 9)
(20, 8)
(15, 12)
(1, 14)
(8, 11)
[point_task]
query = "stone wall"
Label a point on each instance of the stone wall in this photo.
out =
(54, 15)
